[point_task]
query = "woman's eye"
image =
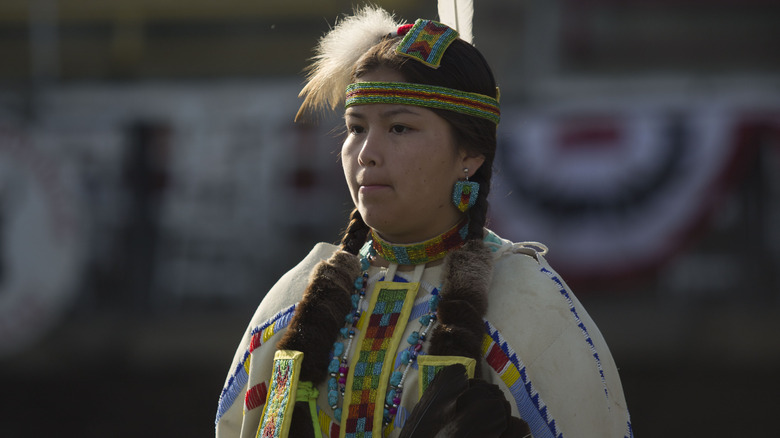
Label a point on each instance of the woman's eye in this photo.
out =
(355, 129)
(398, 129)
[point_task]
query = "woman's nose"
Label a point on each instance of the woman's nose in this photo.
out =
(370, 154)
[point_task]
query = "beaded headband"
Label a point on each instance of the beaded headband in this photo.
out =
(426, 41)
(404, 93)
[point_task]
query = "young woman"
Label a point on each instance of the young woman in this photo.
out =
(422, 321)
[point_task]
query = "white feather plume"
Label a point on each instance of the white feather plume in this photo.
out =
(336, 54)
(458, 14)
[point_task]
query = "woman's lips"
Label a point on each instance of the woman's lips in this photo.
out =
(368, 189)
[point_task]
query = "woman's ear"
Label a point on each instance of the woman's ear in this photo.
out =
(472, 163)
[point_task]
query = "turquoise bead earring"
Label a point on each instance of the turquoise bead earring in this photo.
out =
(464, 196)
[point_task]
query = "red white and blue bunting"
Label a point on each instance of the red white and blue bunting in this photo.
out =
(615, 188)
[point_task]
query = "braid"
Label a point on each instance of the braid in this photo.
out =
(478, 213)
(355, 234)
(463, 304)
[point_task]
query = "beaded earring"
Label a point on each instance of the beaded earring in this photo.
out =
(464, 196)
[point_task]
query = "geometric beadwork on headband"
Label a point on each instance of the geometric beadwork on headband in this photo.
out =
(426, 42)
(405, 93)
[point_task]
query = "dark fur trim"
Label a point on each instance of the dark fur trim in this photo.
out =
(467, 275)
(320, 314)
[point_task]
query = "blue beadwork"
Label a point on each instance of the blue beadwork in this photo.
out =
(395, 379)
(390, 396)
(333, 397)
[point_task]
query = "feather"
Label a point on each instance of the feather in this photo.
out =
(454, 406)
(437, 404)
(458, 14)
(336, 54)
(482, 410)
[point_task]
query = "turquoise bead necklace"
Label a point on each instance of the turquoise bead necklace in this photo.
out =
(408, 358)
(338, 367)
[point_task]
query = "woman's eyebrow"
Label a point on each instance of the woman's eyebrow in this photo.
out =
(396, 111)
(383, 115)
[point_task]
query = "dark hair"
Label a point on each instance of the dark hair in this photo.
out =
(463, 68)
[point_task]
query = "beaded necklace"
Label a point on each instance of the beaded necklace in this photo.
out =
(408, 358)
(413, 254)
(338, 367)
(421, 252)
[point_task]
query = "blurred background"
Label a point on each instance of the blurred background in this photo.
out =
(153, 186)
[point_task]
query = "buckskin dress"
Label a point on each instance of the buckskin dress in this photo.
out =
(540, 347)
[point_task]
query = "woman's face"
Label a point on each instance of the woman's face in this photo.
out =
(401, 162)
